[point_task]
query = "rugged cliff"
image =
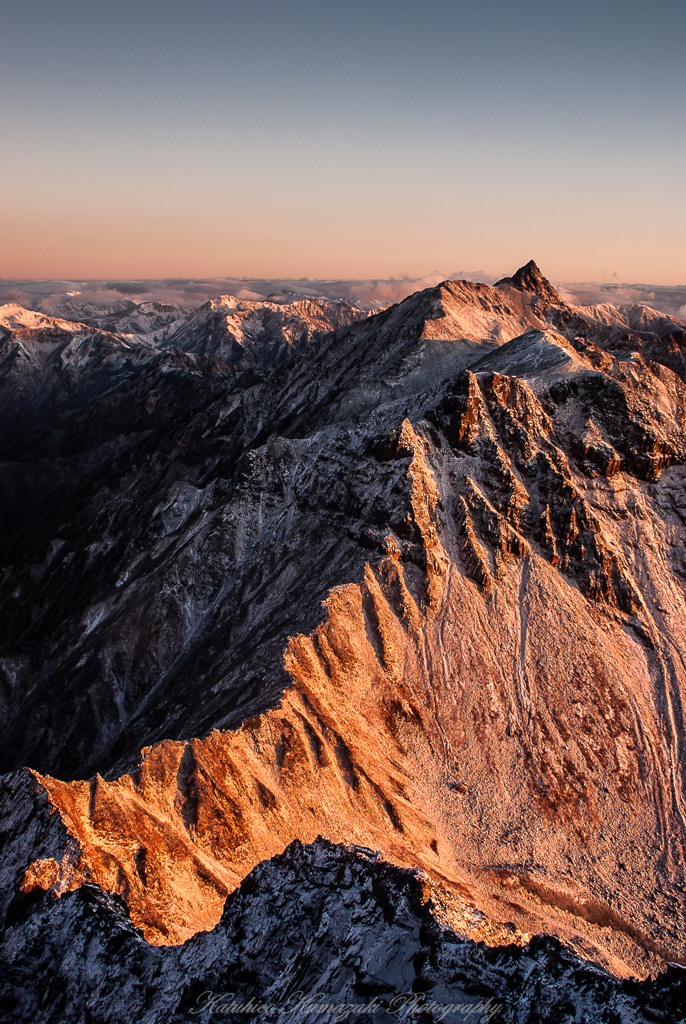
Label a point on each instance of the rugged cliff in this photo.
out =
(320, 933)
(411, 580)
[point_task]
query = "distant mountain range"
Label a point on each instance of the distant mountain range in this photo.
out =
(85, 298)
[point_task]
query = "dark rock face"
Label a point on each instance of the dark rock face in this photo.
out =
(412, 580)
(112, 471)
(122, 464)
(318, 933)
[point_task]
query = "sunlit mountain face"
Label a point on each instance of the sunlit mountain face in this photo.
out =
(341, 650)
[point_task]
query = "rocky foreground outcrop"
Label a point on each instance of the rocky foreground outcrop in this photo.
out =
(412, 581)
(322, 933)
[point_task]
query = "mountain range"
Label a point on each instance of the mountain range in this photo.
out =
(342, 653)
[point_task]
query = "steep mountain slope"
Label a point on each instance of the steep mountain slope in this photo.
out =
(143, 460)
(416, 583)
(139, 318)
(320, 933)
(637, 318)
(256, 333)
(236, 329)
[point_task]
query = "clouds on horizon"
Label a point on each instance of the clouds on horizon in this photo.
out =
(188, 293)
(666, 299)
(191, 292)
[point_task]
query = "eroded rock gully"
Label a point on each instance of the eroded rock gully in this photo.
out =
(492, 694)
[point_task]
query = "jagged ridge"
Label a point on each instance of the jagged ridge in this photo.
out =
(490, 490)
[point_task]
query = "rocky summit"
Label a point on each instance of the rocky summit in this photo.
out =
(343, 660)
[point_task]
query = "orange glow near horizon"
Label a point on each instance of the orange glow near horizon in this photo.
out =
(328, 245)
(346, 141)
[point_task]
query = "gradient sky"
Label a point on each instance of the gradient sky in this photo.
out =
(343, 139)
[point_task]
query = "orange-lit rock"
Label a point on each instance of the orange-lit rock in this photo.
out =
(489, 496)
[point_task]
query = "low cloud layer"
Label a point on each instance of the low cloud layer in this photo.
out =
(187, 293)
(190, 292)
(671, 300)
